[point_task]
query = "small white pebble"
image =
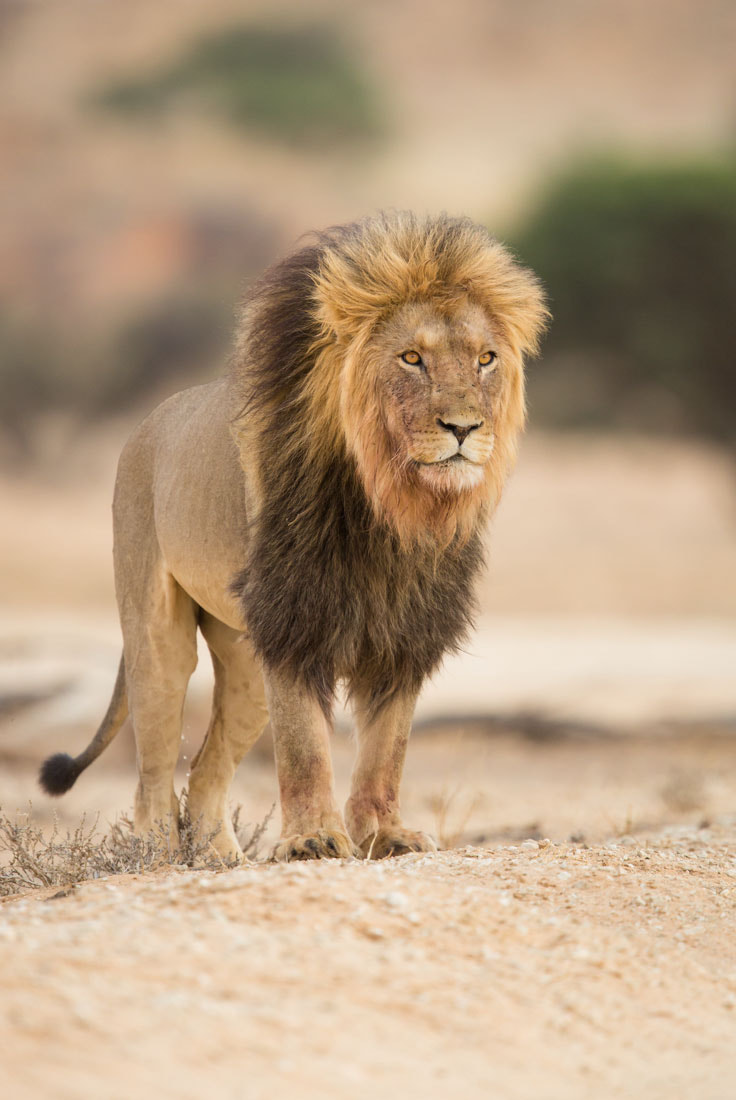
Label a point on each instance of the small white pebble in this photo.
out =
(396, 900)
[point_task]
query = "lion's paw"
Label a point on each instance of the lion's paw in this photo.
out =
(395, 841)
(322, 844)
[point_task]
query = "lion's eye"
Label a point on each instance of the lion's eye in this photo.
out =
(487, 358)
(413, 358)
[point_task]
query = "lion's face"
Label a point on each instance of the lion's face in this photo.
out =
(431, 405)
(442, 379)
(416, 367)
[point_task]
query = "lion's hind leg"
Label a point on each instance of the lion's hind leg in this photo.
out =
(239, 715)
(160, 652)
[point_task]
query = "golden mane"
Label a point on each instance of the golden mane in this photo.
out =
(329, 299)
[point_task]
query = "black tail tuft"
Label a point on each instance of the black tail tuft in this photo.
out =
(59, 773)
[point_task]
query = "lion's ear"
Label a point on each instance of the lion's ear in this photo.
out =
(343, 304)
(518, 303)
(528, 314)
(334, 320)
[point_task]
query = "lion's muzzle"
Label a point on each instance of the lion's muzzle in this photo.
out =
(461, 431)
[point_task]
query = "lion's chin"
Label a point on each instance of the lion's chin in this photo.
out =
(452, 475)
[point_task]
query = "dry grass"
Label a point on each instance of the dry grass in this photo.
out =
(452, 812)
(31, 859)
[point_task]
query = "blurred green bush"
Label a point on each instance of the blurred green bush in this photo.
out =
(640, 266)
(295, 84)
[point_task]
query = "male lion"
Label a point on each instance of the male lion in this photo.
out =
(318, 514)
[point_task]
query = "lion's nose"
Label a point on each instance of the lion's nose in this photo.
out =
(460, 431)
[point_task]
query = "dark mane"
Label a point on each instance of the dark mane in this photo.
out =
(328, 590)
(280, 328)
(330, 593)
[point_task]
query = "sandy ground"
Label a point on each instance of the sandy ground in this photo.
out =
(577, 941)
(537, 970)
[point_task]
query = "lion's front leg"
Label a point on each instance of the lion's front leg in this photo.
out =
(372, 812)
(312, 826)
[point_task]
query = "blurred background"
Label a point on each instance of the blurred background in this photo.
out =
(156, 157)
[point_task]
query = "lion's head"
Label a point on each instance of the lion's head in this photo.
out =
(399, 342)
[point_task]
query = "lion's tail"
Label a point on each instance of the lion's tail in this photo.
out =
(61, 771)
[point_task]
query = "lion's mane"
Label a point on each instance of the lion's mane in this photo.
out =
(355, 569)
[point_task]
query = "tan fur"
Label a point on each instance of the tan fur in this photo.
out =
(197, 479)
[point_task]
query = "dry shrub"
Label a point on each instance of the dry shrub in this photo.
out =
(30, 859)
(250, 836)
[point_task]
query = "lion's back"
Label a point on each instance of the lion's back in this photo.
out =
(179, 496)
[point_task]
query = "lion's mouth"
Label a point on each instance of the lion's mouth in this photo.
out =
(450, 475)
(444, 463)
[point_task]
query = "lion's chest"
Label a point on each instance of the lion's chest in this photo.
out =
(345, 601)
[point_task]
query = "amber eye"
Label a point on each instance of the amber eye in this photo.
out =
(487, 358)
(413, 358)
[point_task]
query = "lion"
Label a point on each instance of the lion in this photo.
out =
(318, 513)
